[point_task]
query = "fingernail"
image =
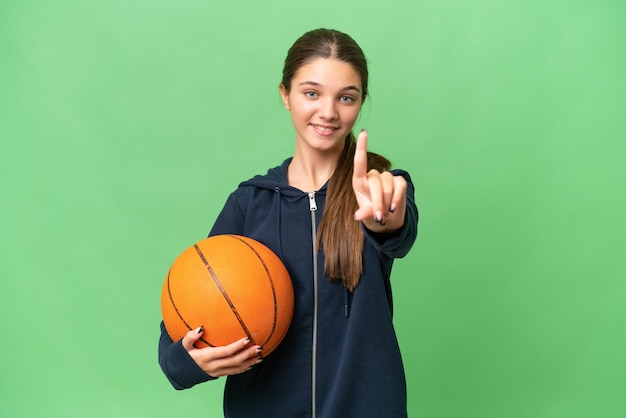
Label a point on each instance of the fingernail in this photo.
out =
(392, 208)
(246, 340)
(258, 350)
(378, 216)
(200, 330)
(362, 130)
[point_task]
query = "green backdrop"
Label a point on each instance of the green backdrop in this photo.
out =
(125, 124)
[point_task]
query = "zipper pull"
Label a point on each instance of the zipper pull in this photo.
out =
(312, 203)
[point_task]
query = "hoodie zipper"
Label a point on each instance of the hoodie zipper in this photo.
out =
(313, 209)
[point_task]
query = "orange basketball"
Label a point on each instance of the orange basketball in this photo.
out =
(232, 285)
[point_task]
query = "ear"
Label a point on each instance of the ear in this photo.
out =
(284, 94)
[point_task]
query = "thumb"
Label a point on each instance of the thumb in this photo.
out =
(363, 213)
(191, 337)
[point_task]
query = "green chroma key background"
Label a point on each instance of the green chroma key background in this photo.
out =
(124, 125)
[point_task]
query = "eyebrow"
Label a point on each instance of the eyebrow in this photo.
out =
(316, 84)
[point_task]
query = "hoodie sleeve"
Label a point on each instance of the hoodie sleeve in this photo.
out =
(177, 364)
(398, 243)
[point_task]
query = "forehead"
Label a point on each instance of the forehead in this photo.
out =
(327, 72)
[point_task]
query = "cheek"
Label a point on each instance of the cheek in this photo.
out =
(302, 109)
(352, 115)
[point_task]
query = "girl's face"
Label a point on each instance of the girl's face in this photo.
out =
(324, 101)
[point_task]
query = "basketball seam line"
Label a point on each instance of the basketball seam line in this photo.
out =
(224, 294)
(269, 276)
(169, 293)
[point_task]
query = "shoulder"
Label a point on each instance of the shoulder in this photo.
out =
(261, 184)
(275, 175)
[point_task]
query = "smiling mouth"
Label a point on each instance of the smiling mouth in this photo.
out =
(324, 129)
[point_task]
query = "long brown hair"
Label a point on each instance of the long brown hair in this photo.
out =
(339, 234)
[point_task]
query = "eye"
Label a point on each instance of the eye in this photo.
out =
(310, 94)
(347, 99)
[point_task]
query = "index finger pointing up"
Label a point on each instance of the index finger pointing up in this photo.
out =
(360, 156)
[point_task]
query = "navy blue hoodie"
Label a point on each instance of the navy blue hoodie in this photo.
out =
(340, 357)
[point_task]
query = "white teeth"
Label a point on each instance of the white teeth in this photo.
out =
(323, 129)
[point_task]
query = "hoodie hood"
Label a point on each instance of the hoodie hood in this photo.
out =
(275, 177)
(276, 180)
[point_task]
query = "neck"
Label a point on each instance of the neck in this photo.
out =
(310, 171)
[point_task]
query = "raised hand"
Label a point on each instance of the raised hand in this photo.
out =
(381, 196)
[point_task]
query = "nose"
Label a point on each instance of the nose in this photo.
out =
(328, 109)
